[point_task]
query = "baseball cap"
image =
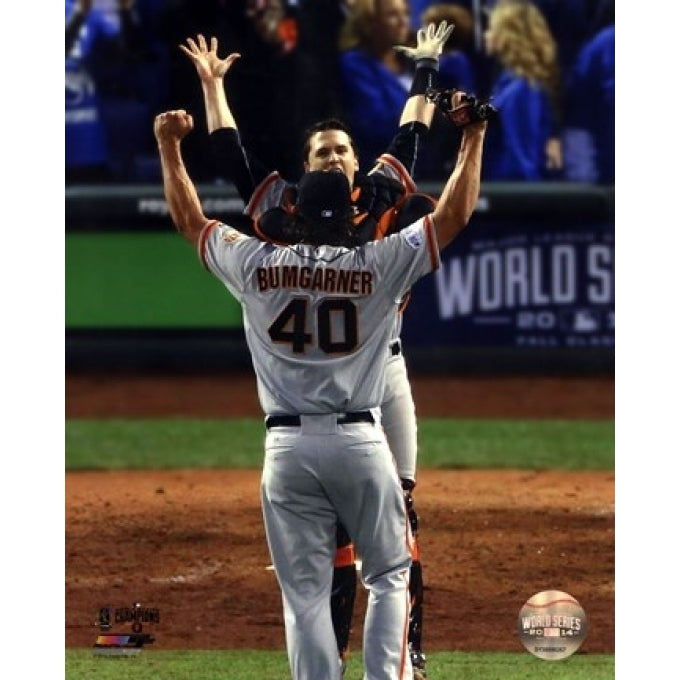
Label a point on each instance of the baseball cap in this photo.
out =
(324, 197)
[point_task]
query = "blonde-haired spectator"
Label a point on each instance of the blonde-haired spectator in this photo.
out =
(375, 78)
(526, 144)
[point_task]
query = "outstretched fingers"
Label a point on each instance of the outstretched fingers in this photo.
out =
(196, 49)
(444, 31)
(192, 51)
(230, 60)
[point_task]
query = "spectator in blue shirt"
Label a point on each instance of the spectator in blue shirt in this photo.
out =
(525, 145)
(375, 79)
(88, 29)
(589, 112)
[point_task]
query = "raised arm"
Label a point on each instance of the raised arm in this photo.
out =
(180, 193)
(430, 44)
(416, 116)
(232, 160)
(211, 70)
(461, 191)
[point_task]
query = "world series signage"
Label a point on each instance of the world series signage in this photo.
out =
(537, 283)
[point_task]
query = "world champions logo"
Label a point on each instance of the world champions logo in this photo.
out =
(115, 639)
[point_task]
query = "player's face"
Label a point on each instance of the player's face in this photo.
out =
(332, 150)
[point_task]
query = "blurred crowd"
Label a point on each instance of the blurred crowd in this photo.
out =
(547, 65)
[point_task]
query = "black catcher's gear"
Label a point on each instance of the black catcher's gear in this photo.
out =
(416, 587)
(343, 590)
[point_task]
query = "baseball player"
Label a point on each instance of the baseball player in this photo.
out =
(381, 198)
(384, 201)
(317, 320)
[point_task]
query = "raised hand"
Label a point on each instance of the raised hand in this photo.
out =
(208, 65)
(172, 125)
(430, 42)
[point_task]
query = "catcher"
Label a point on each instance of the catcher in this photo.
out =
(384, 201)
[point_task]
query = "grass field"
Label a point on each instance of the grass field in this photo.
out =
(152, 664)
(238, 443)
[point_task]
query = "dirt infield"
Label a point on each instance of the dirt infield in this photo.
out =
(192, 542)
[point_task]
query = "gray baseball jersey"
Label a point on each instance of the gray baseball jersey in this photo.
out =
(318, 319)
(397, 405)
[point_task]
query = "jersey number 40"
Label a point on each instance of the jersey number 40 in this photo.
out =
(336, 326)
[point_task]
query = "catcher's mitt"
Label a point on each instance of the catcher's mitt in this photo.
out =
(470, 110)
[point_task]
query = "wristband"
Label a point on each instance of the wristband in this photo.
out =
(425, 77)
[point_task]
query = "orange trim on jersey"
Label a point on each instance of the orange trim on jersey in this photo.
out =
(415, 550)
(404, 176)
(203, 237)
(357, 219)
(354, 196)
(259, 233)
(345, 556)
(404, 302)
(404, 636)
(384, 223)
(432, 242)
(410, 539)
(260, 191)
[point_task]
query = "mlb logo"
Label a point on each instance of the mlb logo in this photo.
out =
(581, 321)
(326, 213)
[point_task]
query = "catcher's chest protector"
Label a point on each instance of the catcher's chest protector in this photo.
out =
(382, 207)
(375, 197)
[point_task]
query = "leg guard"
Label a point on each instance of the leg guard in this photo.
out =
(343, 590)
(415, 627)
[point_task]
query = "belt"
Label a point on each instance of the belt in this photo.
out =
(343, 419)
(395, 348)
